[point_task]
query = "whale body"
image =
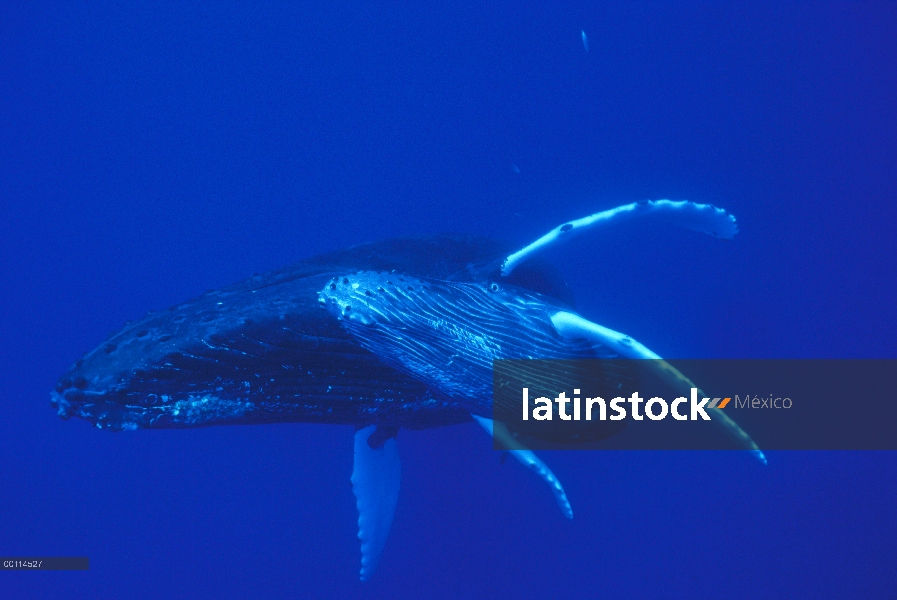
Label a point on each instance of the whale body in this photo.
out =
(381, 336)
(264, 350)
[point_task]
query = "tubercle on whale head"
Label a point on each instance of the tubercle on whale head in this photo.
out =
(338, 297)
(363, 297)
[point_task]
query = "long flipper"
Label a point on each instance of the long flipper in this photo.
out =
(571, 325)
(528, 459)
(375, 481)
(699, 217)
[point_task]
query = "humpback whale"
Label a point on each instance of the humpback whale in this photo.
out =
(382, 336)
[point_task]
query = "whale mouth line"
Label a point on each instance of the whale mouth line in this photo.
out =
(96, 408)
(106, 413)
(69, 400)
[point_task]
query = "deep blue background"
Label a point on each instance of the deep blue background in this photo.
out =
(149, 153)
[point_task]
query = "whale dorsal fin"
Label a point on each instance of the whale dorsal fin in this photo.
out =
(375, 481)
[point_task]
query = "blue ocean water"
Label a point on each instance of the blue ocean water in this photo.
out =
(152, 151)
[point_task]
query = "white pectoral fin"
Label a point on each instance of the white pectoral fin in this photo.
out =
(704, 218)
(528, 459)
(375, 481)
(571, 325)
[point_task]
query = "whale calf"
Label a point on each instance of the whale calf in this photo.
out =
(382, 336)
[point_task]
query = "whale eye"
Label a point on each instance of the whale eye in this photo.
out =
(332, 286)
(493, 287)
